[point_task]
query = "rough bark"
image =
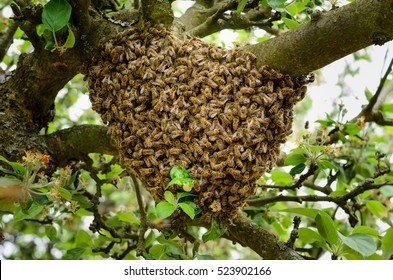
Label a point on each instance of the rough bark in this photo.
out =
(26, 107)
(328, 37)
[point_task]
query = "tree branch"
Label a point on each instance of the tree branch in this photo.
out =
(335, 34)
(77, 142)
(249, 234)
(7, 39)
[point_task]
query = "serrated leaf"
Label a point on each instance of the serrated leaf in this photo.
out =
(73, 254)
(214, 232)
(352, 129)
(290, 23)
(170, 198)
(326, 227)
(387, 244)
(295, 159)
(297, 169)
(165, 209)
(360, 242)
(281, 178)
(240, 7)
(188, 208)
(64, 193)
(56, 14)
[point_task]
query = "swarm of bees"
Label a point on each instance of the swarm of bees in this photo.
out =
(170, 101)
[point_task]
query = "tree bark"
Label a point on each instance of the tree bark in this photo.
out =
(327, 38)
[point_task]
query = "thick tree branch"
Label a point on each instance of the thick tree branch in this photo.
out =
(249, 234)
(334, 35)
(77, 142)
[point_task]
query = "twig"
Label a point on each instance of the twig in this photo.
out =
(377, 94)
(340, 200)
(294, 233)
(142, 213)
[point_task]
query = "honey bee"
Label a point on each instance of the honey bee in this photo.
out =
(289, 81)
(244, 191)
(247, 155)
(220, 144)
(221, 154)
(274, 109)
(236, 174)
(197, 149)
(217, 175)
(235, 123)
(146, 171)
(137, 163)
(204, 173)
(142, 131)
(269, 135)
(243, 112)
(205, 142)
(205, 124)
(175, 151)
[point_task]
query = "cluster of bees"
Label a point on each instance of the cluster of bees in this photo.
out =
(170, 101)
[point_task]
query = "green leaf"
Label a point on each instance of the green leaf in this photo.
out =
(73, 254)
(281, 177)
(178, 172)
(351, 129)
(82, 200)
(170, 198)
(290, 23)
(34, 210)
(297, 7)
(188, 208)
(275, 3)
(387, 244)
(64, 193)
(387, 191)
(176, 181)
(327, 164)
(165, 209)
(309, 236)
(377, 208)
(70, 42)
(128, 218)
(360, 242)
(295, 159)
(326, 228)
(214, 232)
(297, 169)
(240, 7)
(368, 94)
(309, 212)
(18, 168)
(56, 14)
(83, 239)
(181, 195)
(51, 233)
(366, 230)
(387, 108)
